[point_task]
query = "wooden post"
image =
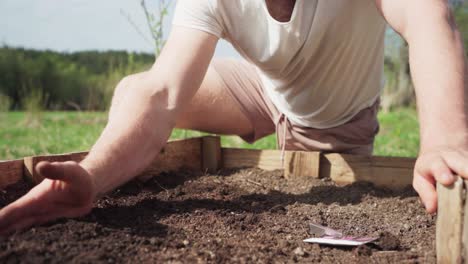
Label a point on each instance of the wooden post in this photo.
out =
(449, 227)
(176, 155)
(464, 249)
(211, 154)
(299, 164)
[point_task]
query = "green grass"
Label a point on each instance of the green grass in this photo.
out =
(60, 132)
(399, 134)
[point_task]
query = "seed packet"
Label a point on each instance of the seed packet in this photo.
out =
(327, 236)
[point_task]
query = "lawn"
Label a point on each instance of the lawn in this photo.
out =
(58, 132)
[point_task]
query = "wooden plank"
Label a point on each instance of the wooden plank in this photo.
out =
(298, 164)
(252, 158)
(465, 225)
(10, 172)
(195, 154)
(211, 154)
(176, 155)
(449, 222)
(31, 162)
(390, 172)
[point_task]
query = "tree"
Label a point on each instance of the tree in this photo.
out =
(155, 23)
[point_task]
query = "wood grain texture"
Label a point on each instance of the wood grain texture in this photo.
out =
(449, 223)
(252, 158)
(390, 172)
(176, 155)
(31, 162)
(298, 164)
(10, 172)
(205, 153)
(465, 225)
(211, 154)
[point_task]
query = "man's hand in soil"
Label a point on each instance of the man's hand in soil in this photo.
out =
(67, 191)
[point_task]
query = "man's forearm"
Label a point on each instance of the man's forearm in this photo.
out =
(139, 126)
(439, 73)
(145, 109)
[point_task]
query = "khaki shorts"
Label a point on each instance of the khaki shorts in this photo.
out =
(243, 84)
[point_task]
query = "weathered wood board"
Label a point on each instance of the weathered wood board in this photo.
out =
(389, 172)
(295, 164)
(465, 224)
(10, 172)
(298, 164)
(206, 154)
(176, 155)
(449, 227)
(211, 154)
(252, 158)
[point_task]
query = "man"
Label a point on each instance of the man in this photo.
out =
(314, 76)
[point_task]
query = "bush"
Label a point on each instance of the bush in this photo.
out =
(5, 103)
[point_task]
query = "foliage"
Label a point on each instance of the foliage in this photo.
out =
(5, 103)
(33, 101)
(461, 17)
(66, 81)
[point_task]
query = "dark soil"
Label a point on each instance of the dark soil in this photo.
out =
(246, 216)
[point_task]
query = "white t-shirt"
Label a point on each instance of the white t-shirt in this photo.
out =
(319, 69)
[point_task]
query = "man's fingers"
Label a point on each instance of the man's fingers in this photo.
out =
(53, 171)
(458, 162)
(15, 218)
(21, 209)
(438, 169)
(9, 215)
(69, 172)
(426, 190)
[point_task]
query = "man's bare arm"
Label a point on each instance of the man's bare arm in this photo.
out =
(146, 107)
(143, 112)
(439, 72)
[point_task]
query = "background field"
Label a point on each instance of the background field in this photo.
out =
(57, 132)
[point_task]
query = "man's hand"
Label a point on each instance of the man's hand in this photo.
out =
(439, 165)
(67, 191)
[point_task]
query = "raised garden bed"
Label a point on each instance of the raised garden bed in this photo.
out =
(237, 215)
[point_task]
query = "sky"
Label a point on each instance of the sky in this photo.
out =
(76, 25)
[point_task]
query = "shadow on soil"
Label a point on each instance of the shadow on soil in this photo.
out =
(225, 200)
(140, 216)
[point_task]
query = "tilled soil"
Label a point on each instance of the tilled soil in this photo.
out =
(245, 216)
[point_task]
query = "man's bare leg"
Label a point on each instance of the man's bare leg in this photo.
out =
(212, 110)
